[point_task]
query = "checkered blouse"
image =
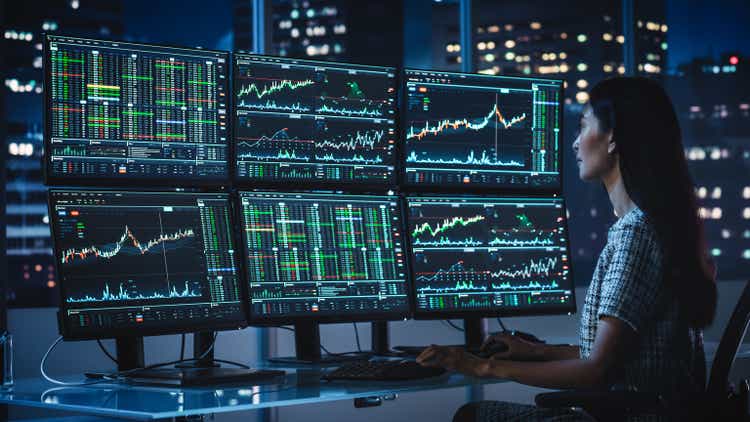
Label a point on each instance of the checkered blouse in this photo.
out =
(627, 284)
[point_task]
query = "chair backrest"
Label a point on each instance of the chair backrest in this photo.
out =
(729, 345)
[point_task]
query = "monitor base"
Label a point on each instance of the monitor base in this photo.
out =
(322, 360)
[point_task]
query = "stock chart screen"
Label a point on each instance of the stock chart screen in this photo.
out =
(318, 255)
(493, 255)
(482, 131)
(143, 261)
(133, 112)
(298, 120)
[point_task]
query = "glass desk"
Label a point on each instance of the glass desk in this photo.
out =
(301, 385)
(140, 402)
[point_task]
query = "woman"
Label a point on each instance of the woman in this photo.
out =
(653, 288)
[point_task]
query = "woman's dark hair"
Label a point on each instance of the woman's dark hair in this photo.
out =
(652, 162)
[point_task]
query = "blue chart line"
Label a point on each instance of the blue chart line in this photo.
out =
(107, 295)
(542, 267)
(271, 105)
(445, 241)
(343, 111)
(281, 155)
(471, 159)
(537, 241)
(353, 159)
(470, 287)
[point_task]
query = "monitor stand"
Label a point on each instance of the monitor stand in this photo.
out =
(204, 371)
(202, 341)
(381, 340)
(474, 335)
(307, 348)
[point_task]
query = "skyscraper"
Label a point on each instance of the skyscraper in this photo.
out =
(31, 276)
(712, 99)
(356, 32)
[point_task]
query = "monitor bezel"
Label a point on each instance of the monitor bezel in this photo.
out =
(275, 321)
(69, 333)
(418, 314)
(246, 183)
(51, 179)
(478, 188)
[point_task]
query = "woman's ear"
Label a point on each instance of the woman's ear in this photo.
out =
(612, 145)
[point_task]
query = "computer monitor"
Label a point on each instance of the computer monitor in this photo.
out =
(144, 263)
(318, 123)
(481, 132)
(474, 257)
(313, 257)
(121, 113)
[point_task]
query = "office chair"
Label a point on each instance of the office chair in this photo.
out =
(720, 401)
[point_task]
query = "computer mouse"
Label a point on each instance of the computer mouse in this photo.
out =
(491, 349)
(527, 336)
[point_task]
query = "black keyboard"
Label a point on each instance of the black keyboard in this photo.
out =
(383, 370)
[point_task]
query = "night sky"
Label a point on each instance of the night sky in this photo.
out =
(697, 28)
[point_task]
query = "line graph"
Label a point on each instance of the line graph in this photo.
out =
(272, 105)
(122, 294)
(119, 246)
(471, 159)
(445, 225)
(478, 124)
(275, 86)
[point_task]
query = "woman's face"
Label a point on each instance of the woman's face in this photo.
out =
(592, 148)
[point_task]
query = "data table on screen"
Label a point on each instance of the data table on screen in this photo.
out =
(129, 112)
(318, 255)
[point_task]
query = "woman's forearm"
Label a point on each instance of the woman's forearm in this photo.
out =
(560, 374)
(550, 352)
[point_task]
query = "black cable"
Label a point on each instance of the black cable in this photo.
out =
(286, 328)
(502, 326)
(454, 325)
(106, 352)
(356, 335)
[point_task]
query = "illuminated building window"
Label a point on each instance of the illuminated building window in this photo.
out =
(716, 213)
(510, 55)
(716, 193)
(582, 97)
(582, 67)
(607, 36)
(621, 70)
(491, 45)
(510, 44)
(482, 45)
(535, 25)
(594, 212)
(582, 38)
(607, 68)
(564, 36)
(489, 57)
(508, 27)
(593, 235)
(582, 83)
(716, 252)
(746, 254)
(74, 4)
(726, 234)
(621, 39)
(664, 46)
(493, 29)
(563, 55)
(746, 213)
(702, 192)
(746, 192)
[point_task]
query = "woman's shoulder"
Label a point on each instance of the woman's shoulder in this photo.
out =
(635, 224)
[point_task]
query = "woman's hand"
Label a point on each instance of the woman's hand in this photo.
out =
(454, 359)
(516, 348)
